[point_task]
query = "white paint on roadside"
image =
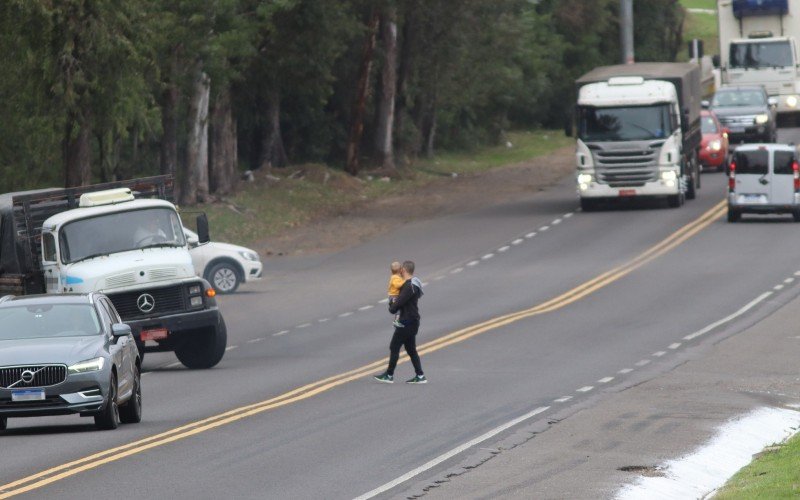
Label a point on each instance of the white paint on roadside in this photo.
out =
(386, 300)
(366, 307)
(585, 388)
(777, 287)
(625, 371)
(700, 473)
(675, 345)
(563, 399)
(346, 314)
(282, 332)
(730, 317)
(544, 228)
(473, 263)
(304, 325)
(659, 354)
(530, 235)
(450, 454)
(487, 256)
(457, 270)
(605, 380)
(788, 280)
(503, 249)
(643, 362)
(517, 241)
(231, 347)
(253, 341)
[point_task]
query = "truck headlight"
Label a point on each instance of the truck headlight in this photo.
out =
(195, 290)
(668, 175)
(791, 101)
(762, 119)
(715, 145)
(584, 180)
(247, 255)
(90, 365)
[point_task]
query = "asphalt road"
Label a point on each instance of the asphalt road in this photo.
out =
(663, 272)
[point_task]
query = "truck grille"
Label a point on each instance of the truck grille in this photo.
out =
(626, 167)
(165, 300)
(43, 376)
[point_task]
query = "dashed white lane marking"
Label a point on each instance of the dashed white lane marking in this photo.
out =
(503, 249)
(457, 270)
(517, 241)
(568, 215)
(437, 278)
(346, 314)
(231, 347)
(625, 371)
(605, 380)
(304, 325)
(797, 273)
(175, 364)
(424, 283)
(323, 320)
(659, 354)
(450, 454)
(530, 235)
(473, 263)
(586, 388)
(366, 307)
(724, 320)
(253, 341)
(487, 256)
(777, 287)
(544, 228)
(282, 332)
(563, 399)
(556, 222)
(675, 345)
(386, 301)
(642, 362)
(788, 280)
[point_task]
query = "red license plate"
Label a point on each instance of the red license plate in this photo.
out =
(154, 334)
(627, 192)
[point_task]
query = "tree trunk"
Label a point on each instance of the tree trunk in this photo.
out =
(222, 169)
(169, 123)
(78, 150)
(384, 133)
(273, 153)
(357, 119)
(403, 73)
(195, 180)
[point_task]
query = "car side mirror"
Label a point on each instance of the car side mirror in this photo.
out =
(120, 330)
(202, 229)
(705, 104)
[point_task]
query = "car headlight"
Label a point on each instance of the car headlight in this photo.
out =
(715, 145)
(247, 255)
(762, 119)
(90, 365)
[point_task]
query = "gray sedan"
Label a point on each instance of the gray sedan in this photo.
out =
(67, 354)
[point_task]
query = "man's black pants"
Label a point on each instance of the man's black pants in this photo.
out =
(405, 337)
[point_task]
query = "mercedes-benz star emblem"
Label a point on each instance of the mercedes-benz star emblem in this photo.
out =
(145, 302)
(27, 376)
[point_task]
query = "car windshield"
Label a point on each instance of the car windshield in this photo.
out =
(48, 320)
(629, 123)
(119, 232)
(738, 99)
(708, 125)
(761, 54)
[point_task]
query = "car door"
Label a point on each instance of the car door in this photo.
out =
(752, 176)
(782, 177)
(120, 349)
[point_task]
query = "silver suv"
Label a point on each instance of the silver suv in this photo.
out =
(764, 178)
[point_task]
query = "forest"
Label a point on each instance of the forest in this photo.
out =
(99, 90)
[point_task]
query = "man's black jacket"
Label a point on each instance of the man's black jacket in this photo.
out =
(406, 303)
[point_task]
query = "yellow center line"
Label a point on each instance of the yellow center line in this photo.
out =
(66, 470)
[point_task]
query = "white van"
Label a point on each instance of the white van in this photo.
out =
(764, 178)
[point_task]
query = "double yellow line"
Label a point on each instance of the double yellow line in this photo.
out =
(63, 471)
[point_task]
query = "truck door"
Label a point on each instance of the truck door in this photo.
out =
(50, 262)
(752, 177)
(782, 178)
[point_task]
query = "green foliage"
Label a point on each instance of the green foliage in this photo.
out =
(774, 474)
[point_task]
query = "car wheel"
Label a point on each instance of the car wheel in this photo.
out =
(108, 419)
(224, 277)
(3, 423)
(131, 412)
(204, 348)
(734, 216)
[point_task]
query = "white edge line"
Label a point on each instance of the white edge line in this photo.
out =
(455, 451)
(726, 319)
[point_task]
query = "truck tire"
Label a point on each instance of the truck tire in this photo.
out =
(108, 419)
(204, 348)
(691, 191)
(131, 412)
(224, 277)
(3, 423)
(675, 200)
(796, 215)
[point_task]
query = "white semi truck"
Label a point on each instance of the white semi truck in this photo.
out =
(758, 46)
(638, 133)
(124, 239)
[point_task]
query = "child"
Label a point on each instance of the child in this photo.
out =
(395, 282)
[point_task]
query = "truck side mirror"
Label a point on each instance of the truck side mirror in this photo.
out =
(715, 60)
(202, 229)
(772, 101)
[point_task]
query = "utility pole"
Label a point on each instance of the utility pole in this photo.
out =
(626, 30)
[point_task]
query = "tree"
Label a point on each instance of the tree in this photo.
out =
(384, 133)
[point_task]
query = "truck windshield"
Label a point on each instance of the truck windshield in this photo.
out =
(761, 54)
(119, 232)
(629, 123)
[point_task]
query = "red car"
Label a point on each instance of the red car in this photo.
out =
(714, 148)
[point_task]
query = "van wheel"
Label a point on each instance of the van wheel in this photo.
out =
(203, 348)
(734, 216)
(675, 200)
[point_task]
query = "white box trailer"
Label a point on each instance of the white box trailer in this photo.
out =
(758, 46)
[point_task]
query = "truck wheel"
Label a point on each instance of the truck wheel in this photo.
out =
(796, 215)
(203, 348)
(108, 419)
(3, 423)
(131, 412)
(588, 205)
(691, 191)
(734, 216)
(224, 277)
(675, 200)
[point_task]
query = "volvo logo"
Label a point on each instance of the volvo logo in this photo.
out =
(27, 376)
(145, 302)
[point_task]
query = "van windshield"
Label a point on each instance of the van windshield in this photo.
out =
(119, 232)
(629, 123)
(761, 54)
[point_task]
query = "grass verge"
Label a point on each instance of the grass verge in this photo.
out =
(700, 25)
(774, 474)
(281, 199)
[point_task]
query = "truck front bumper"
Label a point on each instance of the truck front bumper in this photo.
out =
(655, 188)
(176, 326)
